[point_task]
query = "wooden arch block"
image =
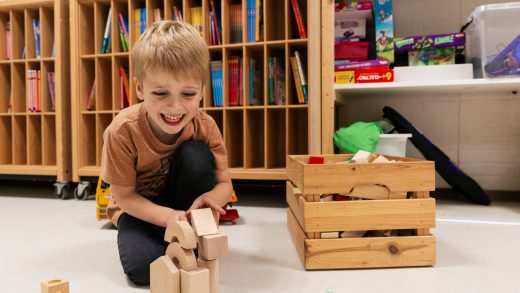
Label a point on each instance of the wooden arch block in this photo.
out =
(55, 286)
(164, 276)
(182, 232)
(185, 258)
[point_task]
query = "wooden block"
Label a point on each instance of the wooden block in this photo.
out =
(353, 234)
(316, 160)
(213, 246)
(184, 258)
(55, 286)
(195, 281)
(182, 232)
(329, 197)
(361, 157)
(370, 191)
(329, 235)
(381, 159)
(214, 273)
(164, 276)
(203, 222)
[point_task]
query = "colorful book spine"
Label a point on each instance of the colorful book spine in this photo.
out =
(124, 27)
(297, 82)
(106, 36)
(299, 19)
(91, 99)
(216, 23)
(124, 44)
(52, 90)
(36, 31)
(301, 70)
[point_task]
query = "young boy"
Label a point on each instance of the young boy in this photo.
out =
(163, 157)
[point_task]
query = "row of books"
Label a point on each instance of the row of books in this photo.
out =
(123, 33)
(300, 78)
(124, 92)
(37, 40)
(34, 99)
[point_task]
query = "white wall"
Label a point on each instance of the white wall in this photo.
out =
(480, 132)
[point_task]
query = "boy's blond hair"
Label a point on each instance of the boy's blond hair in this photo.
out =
(173, 46)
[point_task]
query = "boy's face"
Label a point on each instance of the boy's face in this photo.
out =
(170, 103)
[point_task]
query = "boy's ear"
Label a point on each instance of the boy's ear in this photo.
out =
(138, 88)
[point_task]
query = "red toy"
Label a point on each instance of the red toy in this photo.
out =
(316, 160)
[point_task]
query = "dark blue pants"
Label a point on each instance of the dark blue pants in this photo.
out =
(192, 173)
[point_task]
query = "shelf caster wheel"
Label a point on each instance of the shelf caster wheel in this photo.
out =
(62, 190)
(83, 191)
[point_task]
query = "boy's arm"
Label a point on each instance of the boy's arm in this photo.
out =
(140, 207)
(218, 196)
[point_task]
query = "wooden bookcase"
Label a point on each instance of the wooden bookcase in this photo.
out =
(35, 143)
(257, 137)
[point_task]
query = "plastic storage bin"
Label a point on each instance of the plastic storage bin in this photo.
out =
(392, 144)
(493, 40)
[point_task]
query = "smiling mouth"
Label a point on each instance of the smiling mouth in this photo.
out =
(172, 120)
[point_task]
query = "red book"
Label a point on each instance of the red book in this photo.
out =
(299, 19)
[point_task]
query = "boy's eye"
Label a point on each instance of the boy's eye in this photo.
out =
(189, 94)
(160, 94)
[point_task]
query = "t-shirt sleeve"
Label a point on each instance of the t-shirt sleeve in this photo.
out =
(217, 147)
(118, 158)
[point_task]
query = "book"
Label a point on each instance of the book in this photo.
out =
(36, 32)
(124, 43)
(52, 90)
(8, 39)
(299, 18)
(196, 19)
(125, 93)
(106, 36)
(297, 82)
(301, 72)
(91, 99)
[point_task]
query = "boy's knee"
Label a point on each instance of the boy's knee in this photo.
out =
(139, 274)
(195, 157)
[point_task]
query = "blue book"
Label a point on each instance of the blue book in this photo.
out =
(36, 28)
(220, 86)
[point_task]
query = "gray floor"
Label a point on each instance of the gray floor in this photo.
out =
(45, 238)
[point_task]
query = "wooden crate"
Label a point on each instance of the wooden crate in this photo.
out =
(307, 217)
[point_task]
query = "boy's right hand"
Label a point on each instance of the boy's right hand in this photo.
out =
(175, 215)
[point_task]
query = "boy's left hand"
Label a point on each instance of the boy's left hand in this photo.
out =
(205, 201)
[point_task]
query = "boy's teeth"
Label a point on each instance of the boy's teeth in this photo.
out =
(172, 118)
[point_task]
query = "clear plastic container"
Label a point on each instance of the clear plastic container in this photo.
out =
(493, 40)
(392, 144)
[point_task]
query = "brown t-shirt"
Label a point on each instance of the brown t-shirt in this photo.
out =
(134, 156)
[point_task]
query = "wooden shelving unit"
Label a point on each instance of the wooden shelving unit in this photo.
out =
(257, 137)
(35, 143)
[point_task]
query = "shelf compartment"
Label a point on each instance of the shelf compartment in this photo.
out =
(233, 137)
(256, 84)
(207, 8)
(230, 31)
(169, 11)
(49, 140)
(274, 20)
(19, 139)
(17, 34)
(292, 91)
(218, 116)
(88, 140)
(151, 5)
(255, 138)
(298, 137)
(116, 81)
(86, 76)
(5, 87)
(86, 33)
(47, 66)
(103, 84)
(101, 10)
(214, 55)
(274, 87)
(118, 7)
(275, 140)
(47, 31)
(229, 53)
(292, 26)
(34, 139)
(4, 19)
(18, 87)
(6, 140)
(102, 122)
(30, 43)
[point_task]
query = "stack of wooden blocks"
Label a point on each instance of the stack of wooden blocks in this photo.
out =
(179, 271)
(393, 196)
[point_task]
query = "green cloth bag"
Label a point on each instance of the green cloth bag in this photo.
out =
(358, 136)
